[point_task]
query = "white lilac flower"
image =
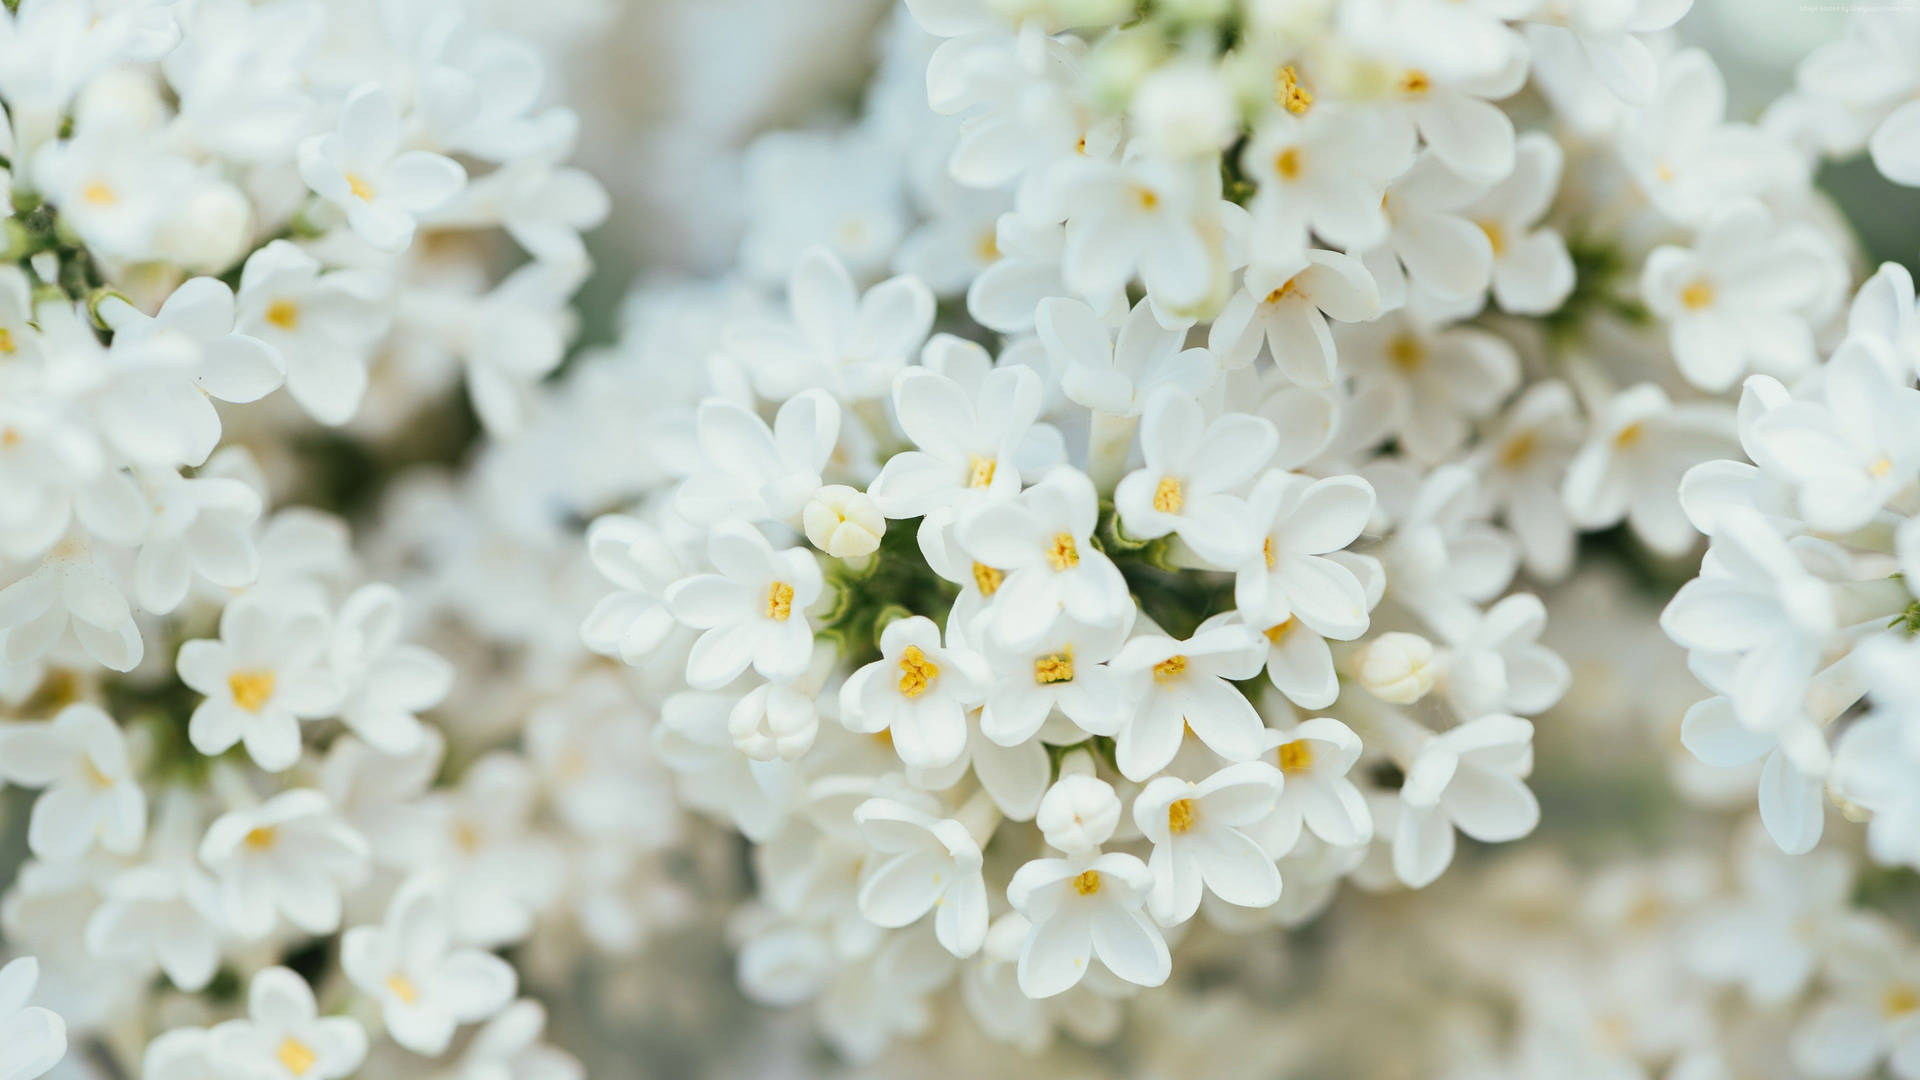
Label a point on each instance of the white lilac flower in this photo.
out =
(1176, 687)
(918, 692)
(1315, 759)
(32, 1039)
(1042, 543)
(1086, 907)
(91, 792)
(1192, 475)
(265, 675)
(759, 472)
(839, 339)
(1287, 304)
(386, 681)
(1199, 837)
(752, 613)
(927, 864)
(1469, 778)
(290, 857)
(360, 168)
(425, 985)
(284, 1037)
(1066, 672)
(322, 326)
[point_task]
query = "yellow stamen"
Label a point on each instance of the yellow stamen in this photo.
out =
(1266, 551)
(1064, 554)
(1169, 496)
(284, 314)
(1087, 882)
(1146, 197)
(360, 188)
(98, 193)
(1287, 163)
(1289, 94)
(916, 671)
(10, 437)
(7, 345)
(1054, 668)
(1496, 236)
(251, 689)
(1406, 352)
(261, 837)
(779, 601)
(1900, 1000)
(987, 247)
(1180, 816)
(1415, 83)
(1518, 449)
(1881, 466)
(1296, 756)
(1278, 632)
(297, 1056)
(986, 579)
(402, 987)
(1170, 669)
(980, 470)
(1697, 296)
(1290, 288)
(1629, 435)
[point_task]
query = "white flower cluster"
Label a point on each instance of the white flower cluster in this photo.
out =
(1265, 363)
(208, 202)
(1805, 601)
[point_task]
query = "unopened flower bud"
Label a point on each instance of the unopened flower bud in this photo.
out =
(1398, 668)
(773, 722)
(1186, 110)
(843, 522)
(1078, 813)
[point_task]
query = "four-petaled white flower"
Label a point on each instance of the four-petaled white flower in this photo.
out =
(1199, 837)
(918, 692)
(284, 1037)
(265, 674)
(426, 986)
(92, 793)
(926, 864)
(360, 168)
(752, 613)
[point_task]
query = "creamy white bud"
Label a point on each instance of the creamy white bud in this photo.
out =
(843, 522)
(1078, 813)
(773, 722)
(210, 229)
(1398, 668)
(1186, 110)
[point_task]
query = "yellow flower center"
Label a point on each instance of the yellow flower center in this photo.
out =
(1278, 632)
(987, 247)
(1170, 669)
(1296, 756)
(93, 774)
(360, 188)
(10, 437)
(1169, 496)
(980, 471)
(1290, 288)
(251, 689)
(98, 193)
(1406, 353)
(1287, 163)
(916, 671)
(297, 1056)
(1289, 94)
(1697, 296)
(402, 987)
(1180, 816)
(1087, 882)
(1064, 554)
(1629, 435)
(1054, 667)
(261, 837)
(779, 601)
(1146, 197)
(7, 345)
(986, 579)
(1415, 83)
(1881, 466)
(1266, 551)
(284, 314)
(1899, 1000)
(1496, 236)
(1518, 449)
